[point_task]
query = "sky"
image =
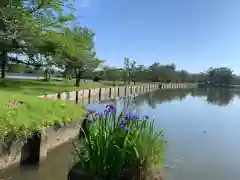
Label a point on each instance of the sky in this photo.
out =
(193, 34)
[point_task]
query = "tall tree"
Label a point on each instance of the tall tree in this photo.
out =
(77, 52)
(222, 75)
(130, 67)
(112, 74)
(23, 23)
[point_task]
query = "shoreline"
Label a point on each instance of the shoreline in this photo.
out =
(56, 135)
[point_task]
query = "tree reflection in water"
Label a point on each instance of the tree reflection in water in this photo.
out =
(215, 96)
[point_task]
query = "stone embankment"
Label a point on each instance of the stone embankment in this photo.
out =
(35, 149)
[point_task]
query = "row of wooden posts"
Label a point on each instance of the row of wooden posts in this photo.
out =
(112, 92)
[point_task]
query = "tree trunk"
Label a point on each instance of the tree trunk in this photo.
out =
(68, 72)
(65, 73)
(129, 76)
(49, 77)
(46, 75)
(77, 80)
(78, 74)
(3, 59)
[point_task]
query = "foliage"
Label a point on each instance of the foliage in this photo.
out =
(155, 73)
(168, 73)
(21, 115)
(114, 142)
(222, 75)
(112, 74)
(19, 68)
(129, 67)
(24, 25)
(39, 30)
(76, 53)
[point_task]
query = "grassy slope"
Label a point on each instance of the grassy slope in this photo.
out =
(38, 87)
(35, 113)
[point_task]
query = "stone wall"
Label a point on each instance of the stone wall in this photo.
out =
(112, 92)
(21, 151)
(102, 93)
(178, 85)
(116, 91)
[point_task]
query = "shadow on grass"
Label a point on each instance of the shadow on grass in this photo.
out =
(40, 87)
(34, 87)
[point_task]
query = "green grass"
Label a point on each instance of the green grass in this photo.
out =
(39, 87)
(34, 113)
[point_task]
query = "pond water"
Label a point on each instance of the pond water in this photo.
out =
(200, 125)
(38, 77)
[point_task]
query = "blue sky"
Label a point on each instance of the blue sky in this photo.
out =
(193, 34)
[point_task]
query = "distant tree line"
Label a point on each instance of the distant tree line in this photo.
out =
(39, 31)
(133, 72)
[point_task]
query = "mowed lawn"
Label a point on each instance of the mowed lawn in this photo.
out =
(20, 108)
(29, 113)
(40, 87)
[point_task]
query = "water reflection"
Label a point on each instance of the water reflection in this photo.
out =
(184, 132)
(215, 96)
(159, 97)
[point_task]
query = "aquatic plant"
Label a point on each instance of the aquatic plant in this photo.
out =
(114, 144)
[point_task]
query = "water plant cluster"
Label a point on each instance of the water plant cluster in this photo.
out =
(117, 144)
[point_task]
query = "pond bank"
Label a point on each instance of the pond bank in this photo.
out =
(33, 150)
(117, 91)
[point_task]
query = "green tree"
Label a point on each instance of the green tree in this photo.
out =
(130, 67)
(77, 52)
(112, 74)
(222, 75)
(24, 23)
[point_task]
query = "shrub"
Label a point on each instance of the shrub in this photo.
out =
(96, 79)
(21, 115)
(115, 144)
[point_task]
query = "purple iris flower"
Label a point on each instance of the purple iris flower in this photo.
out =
(91, 121)
(127, 117)
(122, 124)
(86, 115)
(135, 117)
(111, 108)
(128, 129)
(99, 114)
(106, 112)
(91, 111)
(146, 117)
(131, 117)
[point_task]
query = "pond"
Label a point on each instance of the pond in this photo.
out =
(200, 125)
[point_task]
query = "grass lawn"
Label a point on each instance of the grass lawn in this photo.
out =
(21, 109)
(39, 87)
(30, 113)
